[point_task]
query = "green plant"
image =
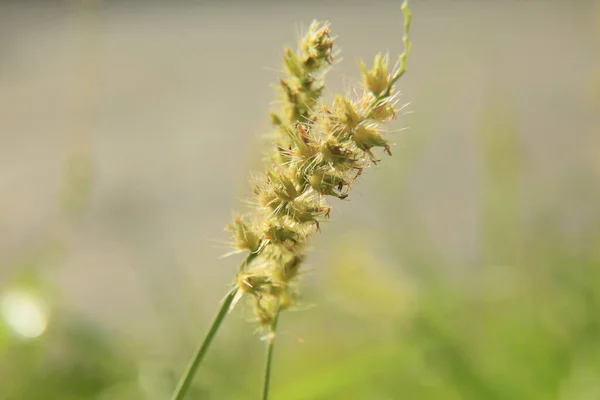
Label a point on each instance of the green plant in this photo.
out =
(320, 149)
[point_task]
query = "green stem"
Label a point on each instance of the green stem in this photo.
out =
(269, 357)
(188, 376)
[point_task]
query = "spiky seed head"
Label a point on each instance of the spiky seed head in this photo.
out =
(328, 183)
(383, 112)
(244, 238)
(287, 298)
(319, 150)
(283, 183)
(264, 311)
(267, 198)
(368, 136)
(252, 283)
(292, 64)
(377, 79)
(290, 269)
(278, 232)
(316, 46)
(345, 113)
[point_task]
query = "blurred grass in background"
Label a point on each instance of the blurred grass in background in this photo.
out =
(466, 266)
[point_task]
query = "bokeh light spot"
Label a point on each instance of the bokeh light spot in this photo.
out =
(24, 313)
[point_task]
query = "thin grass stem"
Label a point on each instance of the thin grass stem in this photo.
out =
(227, 304)
(188, 376)
(269, 357)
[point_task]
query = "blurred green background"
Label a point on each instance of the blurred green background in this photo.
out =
(466, 266)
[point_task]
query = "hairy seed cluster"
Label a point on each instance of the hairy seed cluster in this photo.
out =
(319, 150)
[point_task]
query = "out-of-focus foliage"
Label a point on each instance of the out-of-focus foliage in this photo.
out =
(506, 307)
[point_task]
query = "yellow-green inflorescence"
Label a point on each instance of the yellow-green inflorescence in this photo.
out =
(319, 150)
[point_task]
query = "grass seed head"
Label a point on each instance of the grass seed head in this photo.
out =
(319, 150)
(377, 79)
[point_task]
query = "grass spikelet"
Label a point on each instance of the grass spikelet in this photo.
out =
(319, 149)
